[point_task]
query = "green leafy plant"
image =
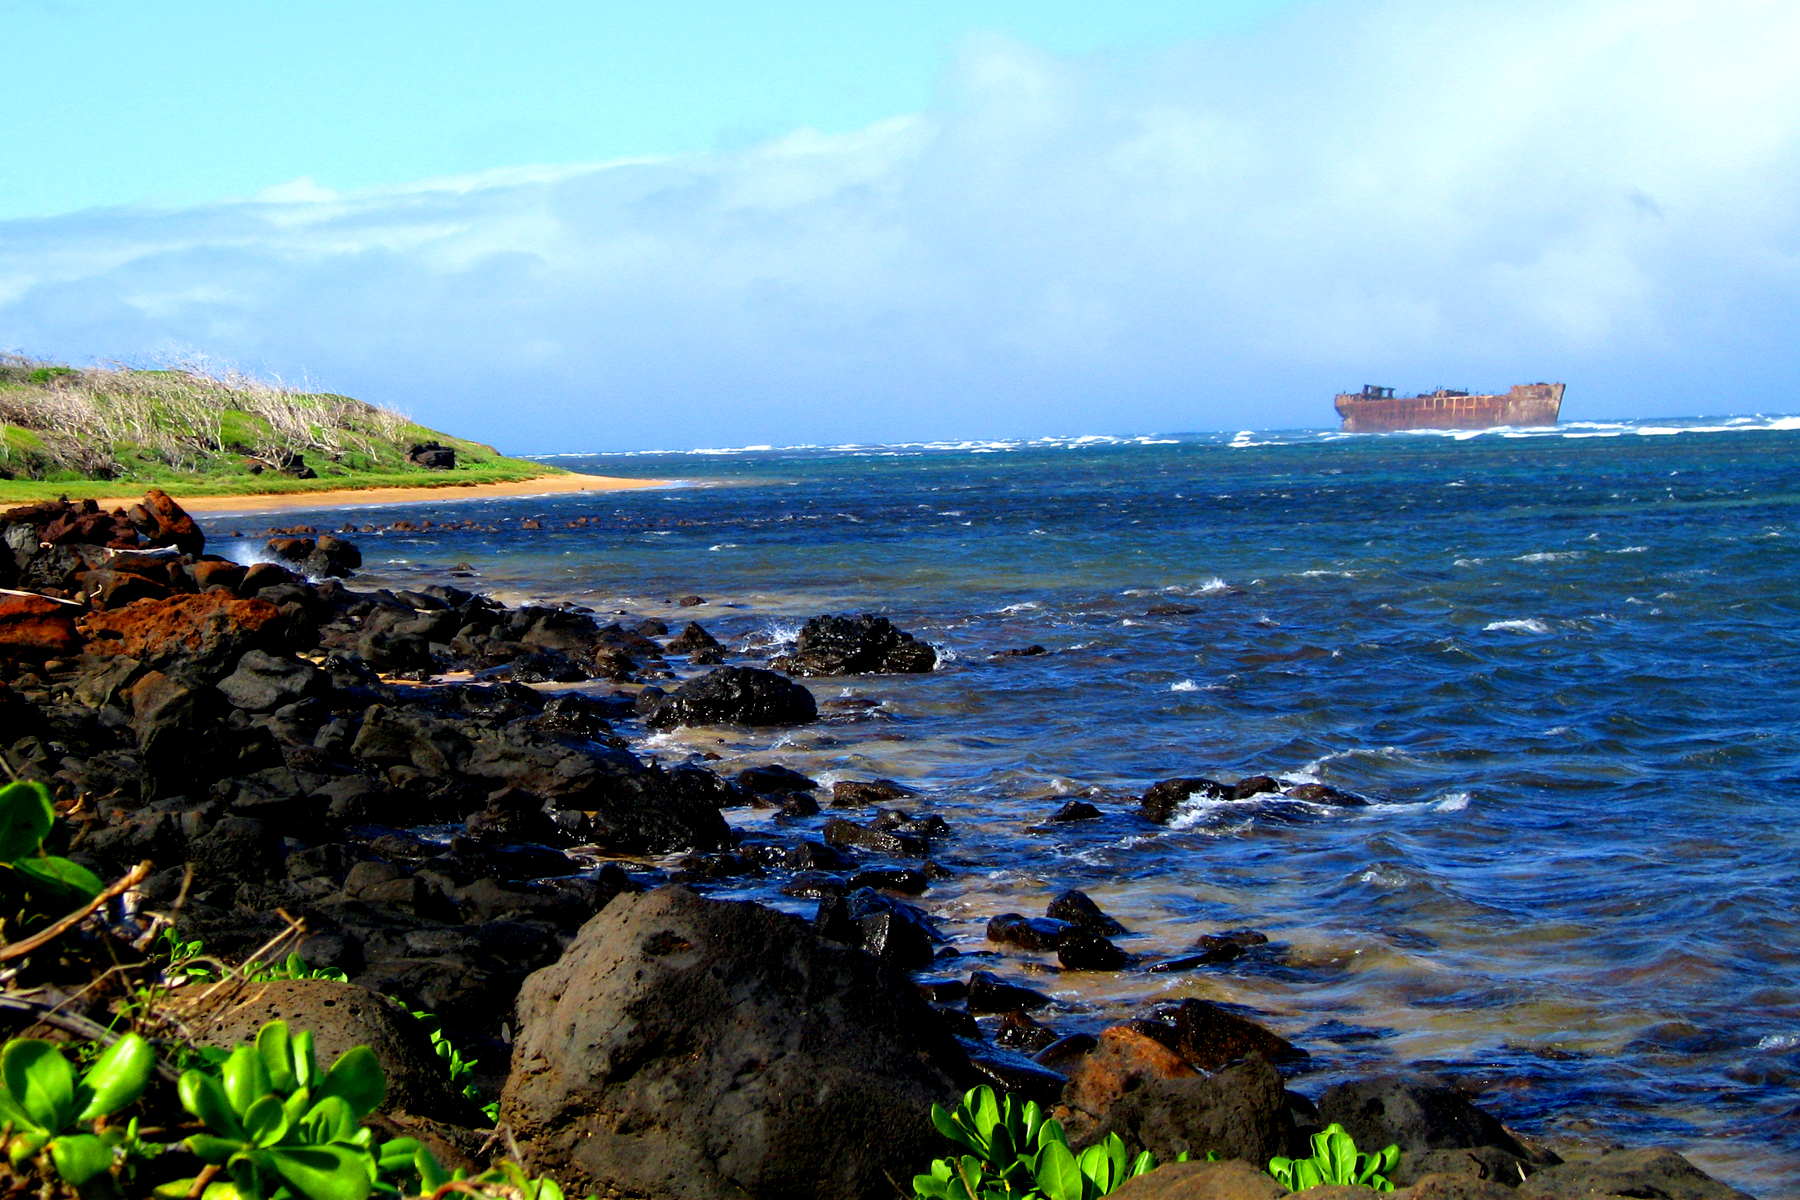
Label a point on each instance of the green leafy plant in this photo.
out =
(453, 1062)
(277, 1127)
(46, 1109)
(1019, 1153)
(26, 819)
(1335, 1159)
(291, 967)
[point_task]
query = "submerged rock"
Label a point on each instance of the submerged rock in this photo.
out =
(1162, 799)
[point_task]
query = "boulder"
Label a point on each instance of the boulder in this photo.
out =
(432, 456)
(1079, 909)
(1415, 1112)
(850, 793)
(1654, 1172)
(162, 522)
(1210, 1036)
(735, 696)
(340, 1016)
(263, 682)
(862, 645)
(1239, 1113)
(32, 627)
(205, 634)
(1162, 800)
(693, 1049)
(692, 638)
(1126, 1057)
(1230, 1179)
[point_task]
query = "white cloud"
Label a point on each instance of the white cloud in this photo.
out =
(1218, 235)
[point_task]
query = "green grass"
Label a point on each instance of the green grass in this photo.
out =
(106, 432)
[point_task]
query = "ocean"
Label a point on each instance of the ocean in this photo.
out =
(1564, 664)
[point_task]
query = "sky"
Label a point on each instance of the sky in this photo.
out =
(565, 228)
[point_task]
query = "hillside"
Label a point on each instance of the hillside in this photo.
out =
(87, 432)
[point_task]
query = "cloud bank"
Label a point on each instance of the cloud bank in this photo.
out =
(1213, 236)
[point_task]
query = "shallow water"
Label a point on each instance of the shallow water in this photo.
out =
(1565, 664)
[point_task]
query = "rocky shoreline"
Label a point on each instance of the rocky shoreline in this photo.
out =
(383, 767)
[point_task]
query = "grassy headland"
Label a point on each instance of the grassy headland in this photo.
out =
(67, 431)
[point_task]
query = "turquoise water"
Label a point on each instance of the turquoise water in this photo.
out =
(1565, 663)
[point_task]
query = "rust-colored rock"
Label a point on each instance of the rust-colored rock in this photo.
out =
(1125, 1057)
(169, 523)
(1229, 1180)
(33, 627)
(206, 632)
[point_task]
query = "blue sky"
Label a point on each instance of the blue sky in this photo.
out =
(564, 227)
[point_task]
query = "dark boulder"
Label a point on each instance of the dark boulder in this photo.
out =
(692, 638)
(774, 778)
(1085, 950)
(1210, 1036)
(704, 1050)
(1161, 801)
(850, 793)
(735, 696)
(1323, 793)
(1254, 785)
(889, 929)
(988, 993)
(1239, 1113)
(845, 834)
(1074, 810)
(432, 456)
(862, 645)
(1659, 1173)
(1415, 1112)
(1027, 933)
(264, 683)
(1078, 908)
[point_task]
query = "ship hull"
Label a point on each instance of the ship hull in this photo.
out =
(1528, 404)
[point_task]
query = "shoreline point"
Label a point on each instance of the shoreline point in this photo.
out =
(543, 485)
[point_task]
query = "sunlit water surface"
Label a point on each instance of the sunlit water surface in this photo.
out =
(1565, 664)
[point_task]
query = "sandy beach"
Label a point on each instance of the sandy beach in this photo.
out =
(547, 485)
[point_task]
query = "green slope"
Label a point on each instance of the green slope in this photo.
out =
(97, 432)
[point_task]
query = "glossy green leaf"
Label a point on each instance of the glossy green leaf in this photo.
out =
(26, 1144)
(210, 1149)
(985, 1114)
(26, 816)
(330, 1120)
(432, 1175)
(276, 1049)
(246, 1079)
(323, 1172)
(1058, 1175)
(58, 878)
(41, 1080)
(204, 1096)
(1144, 1163)
(358, 1078)
(80, 1157)
(11, 1113)
(306, 1067)
(265, 1124)
(1051, 1132)
(118, 1077)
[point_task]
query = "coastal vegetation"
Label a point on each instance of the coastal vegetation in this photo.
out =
(194, 431)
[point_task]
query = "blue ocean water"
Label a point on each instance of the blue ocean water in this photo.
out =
(1565, 663)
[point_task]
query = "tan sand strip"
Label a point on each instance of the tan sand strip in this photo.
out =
(546, 485)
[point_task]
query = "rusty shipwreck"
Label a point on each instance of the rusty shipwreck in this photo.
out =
(1378, 410)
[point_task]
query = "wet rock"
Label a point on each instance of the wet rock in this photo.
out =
(1065, 1054)
(332, 557)
(692, 638)
(1028, 933)
(1210, 1036)
(162, 522)
(893, 821)
(1657, 1172)
(1031, 651)
(292, 549)
(815, 885)
(735, 695)
(988, 993)
(1415, 1112)
(849, 793)
(1015, 1074)
(1085, 950)
(887, 928)
(1074, 810)
(832, 645)
(1078, 909)
(1212, 948)
(1239, 1113)
(1162, 799)
(35, 628)
(1020, 1032)
(262, 682)
(805, 1069)
(906, 882)
(1171, 610)
(772, 779)
(841, 833)
(1474, 1163)
(1254, 785)
(1231, 1179)
(689, 601)
(205, 634)
(1320, 793)
(943, 991)
(1124, 1057)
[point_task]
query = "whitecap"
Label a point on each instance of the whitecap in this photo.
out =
(1550, 556)
(1022, 606)
(1185, 685)
(724, 546)
(1528, 625)
(1453, 802)
(1779, 1041)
